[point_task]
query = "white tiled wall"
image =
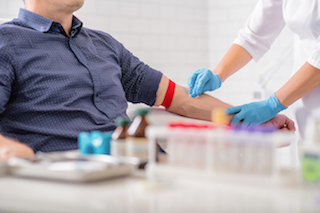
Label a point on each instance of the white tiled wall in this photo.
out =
(10, 8)
(169, 35)
(179, 36)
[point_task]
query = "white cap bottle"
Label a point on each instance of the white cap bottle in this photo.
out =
(310, 154)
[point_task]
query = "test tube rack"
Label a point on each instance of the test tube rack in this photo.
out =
(210, 152)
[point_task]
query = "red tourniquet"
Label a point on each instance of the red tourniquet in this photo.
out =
(169, 95)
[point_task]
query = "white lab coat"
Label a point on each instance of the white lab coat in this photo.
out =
(303, 18)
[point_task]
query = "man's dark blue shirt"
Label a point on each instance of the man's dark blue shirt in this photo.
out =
(52, 87)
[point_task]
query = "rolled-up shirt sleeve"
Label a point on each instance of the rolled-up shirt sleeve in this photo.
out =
(262, 28)
(140, 82)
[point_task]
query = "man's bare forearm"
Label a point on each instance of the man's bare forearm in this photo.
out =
(199, 108)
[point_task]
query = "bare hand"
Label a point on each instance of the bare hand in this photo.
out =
(281, 122)
(11, 148)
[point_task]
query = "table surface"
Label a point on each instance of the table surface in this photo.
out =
(136, 194)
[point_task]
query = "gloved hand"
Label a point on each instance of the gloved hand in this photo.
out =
(257, 112)
(203, 80)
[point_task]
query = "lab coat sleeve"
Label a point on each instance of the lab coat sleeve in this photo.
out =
(314, 58)
(262, 28)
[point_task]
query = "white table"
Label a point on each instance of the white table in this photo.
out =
(136, 194)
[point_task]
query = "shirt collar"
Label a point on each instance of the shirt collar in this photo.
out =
(43, 24)
(76, 26)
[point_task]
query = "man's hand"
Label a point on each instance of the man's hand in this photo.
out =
(281, 122)
(11, 148)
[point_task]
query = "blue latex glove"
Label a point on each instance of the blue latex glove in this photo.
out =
(257, 112)
(203, 80)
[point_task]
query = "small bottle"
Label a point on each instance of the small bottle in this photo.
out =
(221, 142)
(118, 145)
(95, 142)
(310, 154)
(84, 143)
(219, 117)
(137, 143)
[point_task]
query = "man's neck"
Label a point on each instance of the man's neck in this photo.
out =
(65, 21)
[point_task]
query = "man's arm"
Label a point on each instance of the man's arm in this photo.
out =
(183, 104)
(12, 148)
(202, 106)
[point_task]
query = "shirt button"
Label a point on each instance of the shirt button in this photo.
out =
(98, 94)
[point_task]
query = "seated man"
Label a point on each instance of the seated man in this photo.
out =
(58, 79)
